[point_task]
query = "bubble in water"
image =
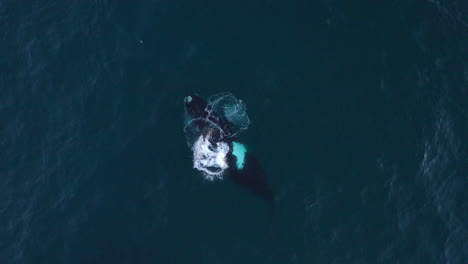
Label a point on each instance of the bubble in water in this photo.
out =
(233, 110)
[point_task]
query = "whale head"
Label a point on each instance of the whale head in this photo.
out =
(195, 106)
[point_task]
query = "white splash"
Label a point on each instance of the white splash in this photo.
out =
(210, 158)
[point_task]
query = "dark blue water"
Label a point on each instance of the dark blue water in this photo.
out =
(359, 116)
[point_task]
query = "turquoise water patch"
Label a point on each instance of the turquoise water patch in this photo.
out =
(239, 151)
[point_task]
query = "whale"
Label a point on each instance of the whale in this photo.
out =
(237, 163)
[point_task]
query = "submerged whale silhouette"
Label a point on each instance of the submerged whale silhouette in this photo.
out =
(242, 167)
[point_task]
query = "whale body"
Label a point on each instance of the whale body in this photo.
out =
(218, 153)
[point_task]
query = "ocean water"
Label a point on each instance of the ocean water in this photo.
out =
(359, 116)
